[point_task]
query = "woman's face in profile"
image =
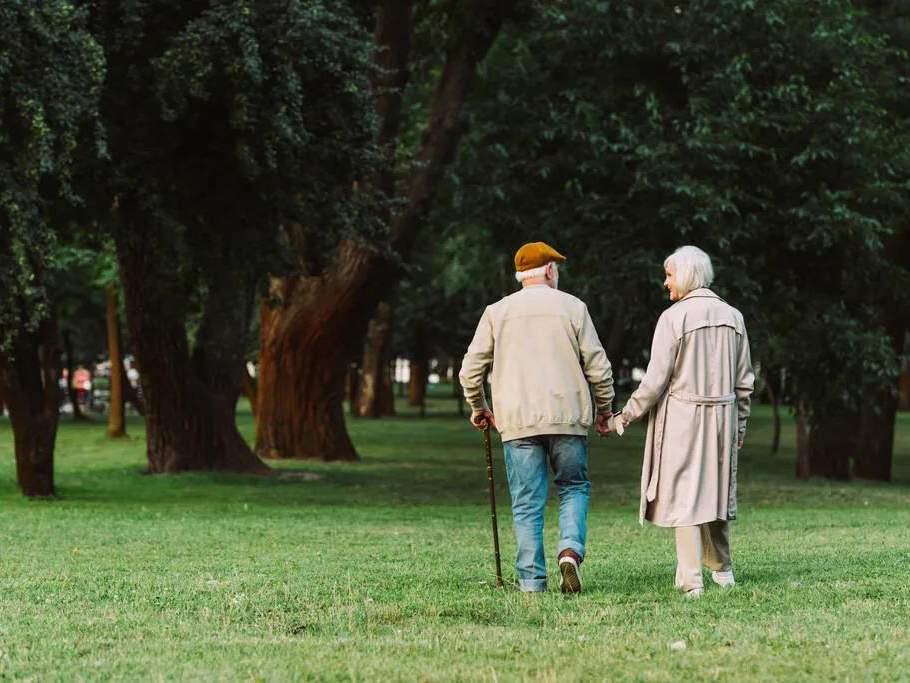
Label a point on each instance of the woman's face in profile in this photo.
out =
(670, 283)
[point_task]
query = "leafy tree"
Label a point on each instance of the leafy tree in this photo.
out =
(762, 132)
(233, 128)
(323, 319)
(50, 77)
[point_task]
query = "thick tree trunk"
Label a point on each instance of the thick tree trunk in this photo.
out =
(190, 401)
(28, 380)
(116, 426)
(71, 377)
(371, 399)
(2, 404)
(309, 328)
(832, 442)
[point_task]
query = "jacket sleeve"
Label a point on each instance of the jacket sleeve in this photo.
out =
(657, 376)
(476, 364)
(595, 364)
(745, 383)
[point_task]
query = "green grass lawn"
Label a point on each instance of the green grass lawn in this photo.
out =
(382, 570)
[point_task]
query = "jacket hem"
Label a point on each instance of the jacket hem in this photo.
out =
(545, 429)
(672, 525)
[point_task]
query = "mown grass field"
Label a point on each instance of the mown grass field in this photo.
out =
(382, 570)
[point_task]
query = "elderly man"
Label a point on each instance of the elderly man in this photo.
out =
(544, 354)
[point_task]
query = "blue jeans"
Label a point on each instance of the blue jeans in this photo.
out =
(526, 467)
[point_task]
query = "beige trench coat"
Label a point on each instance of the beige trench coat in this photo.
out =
(696, 392)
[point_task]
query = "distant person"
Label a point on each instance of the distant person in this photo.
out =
(82, 382)
(542, 351)
(696, 392)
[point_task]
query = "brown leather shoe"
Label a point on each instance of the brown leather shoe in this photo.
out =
(569, 572)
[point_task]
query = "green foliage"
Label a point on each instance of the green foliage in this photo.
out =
(770, 134)
(51, 71)
(229, 121)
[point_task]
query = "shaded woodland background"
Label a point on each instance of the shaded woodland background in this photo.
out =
(315, 189)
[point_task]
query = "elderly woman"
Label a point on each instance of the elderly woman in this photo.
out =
(696, 393)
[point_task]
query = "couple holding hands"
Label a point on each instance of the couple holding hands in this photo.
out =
(546, 362)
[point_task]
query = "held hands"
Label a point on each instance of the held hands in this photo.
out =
(607, 423)
(482, 419)
(602, 424)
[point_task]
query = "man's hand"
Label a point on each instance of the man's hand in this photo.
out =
(602, 424)
(482, 419)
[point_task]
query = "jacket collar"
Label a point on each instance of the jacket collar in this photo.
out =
(701, 291)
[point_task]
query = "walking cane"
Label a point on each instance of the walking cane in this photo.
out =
(486, 441)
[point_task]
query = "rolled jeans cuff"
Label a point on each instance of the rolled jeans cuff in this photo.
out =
(532, 585)
(575, 547)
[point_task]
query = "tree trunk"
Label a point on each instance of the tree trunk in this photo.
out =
(71, 376)
(875, 452)
(28, 381)
(803, 468)
(878, 414)
(370, 398)
(417, 385)
(773, 384)
(832, 442)
(352, 385)
(904, 386)
(457, 392)
(303, 364)
(249, 388)
(116, 426)
(190, 401)
(387, 393)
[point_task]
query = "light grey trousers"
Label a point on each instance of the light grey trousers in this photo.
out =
(705, 544)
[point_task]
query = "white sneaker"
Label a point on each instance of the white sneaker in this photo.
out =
(569, 575)
(694, 594)
(723, 579)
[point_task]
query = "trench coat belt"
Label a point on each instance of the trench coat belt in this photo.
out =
(703, 400)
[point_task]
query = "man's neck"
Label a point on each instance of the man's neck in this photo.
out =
(531, 282)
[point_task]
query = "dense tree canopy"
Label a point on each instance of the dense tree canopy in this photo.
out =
(50, 76)
(760, 132)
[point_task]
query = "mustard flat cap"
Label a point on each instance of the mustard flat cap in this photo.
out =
(535, 255)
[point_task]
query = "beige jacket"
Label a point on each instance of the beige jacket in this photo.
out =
(696, 392)
(544, 353)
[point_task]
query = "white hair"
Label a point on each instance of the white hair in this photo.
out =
(522, 275)
(692, 268)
